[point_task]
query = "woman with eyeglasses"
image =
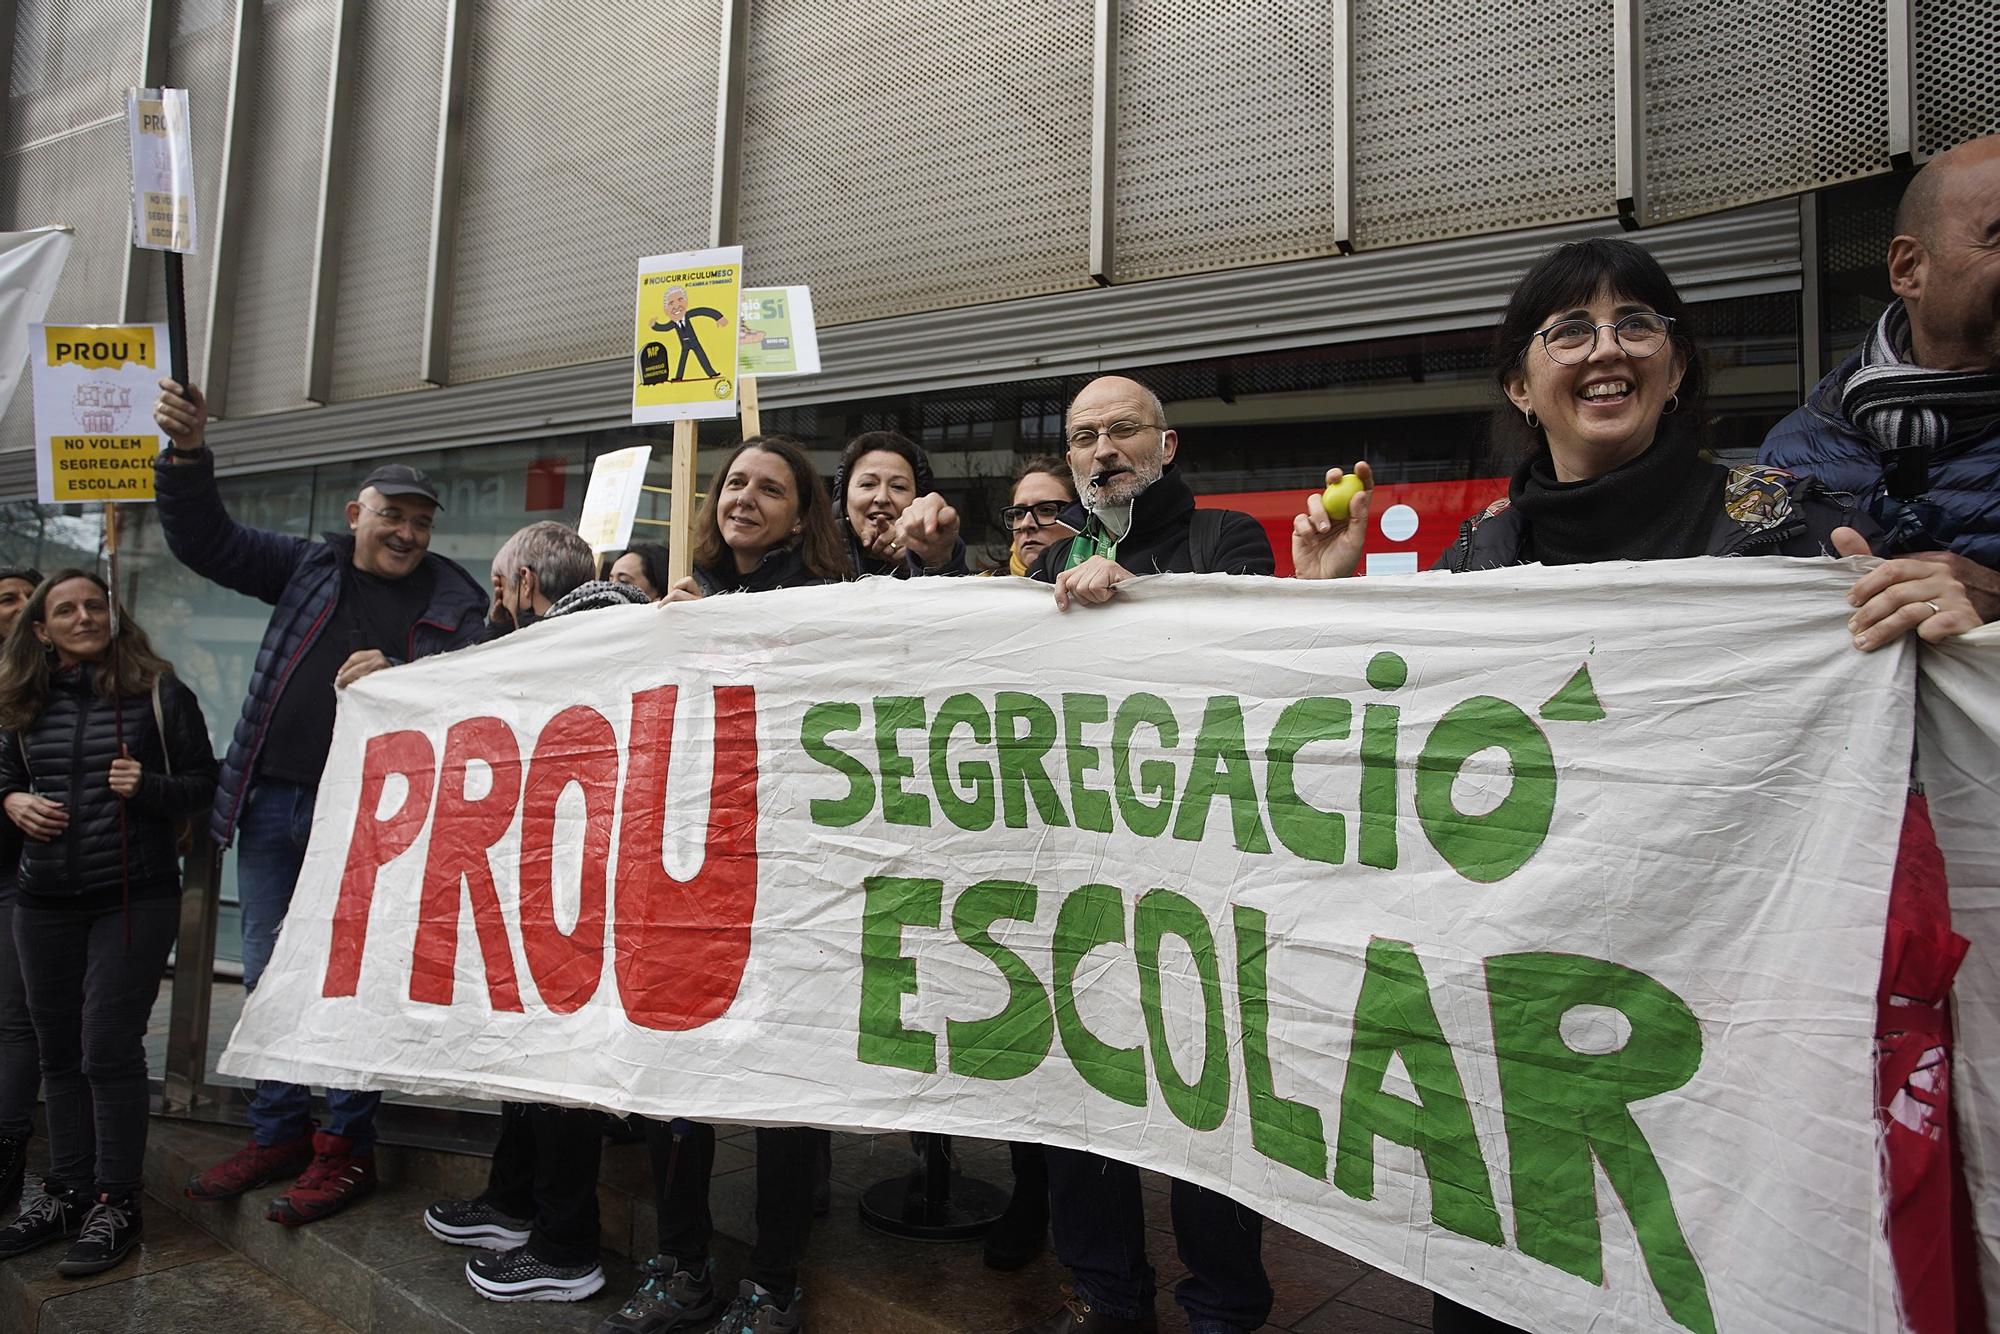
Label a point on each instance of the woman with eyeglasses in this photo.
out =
(1604, 389)
(1041, 512)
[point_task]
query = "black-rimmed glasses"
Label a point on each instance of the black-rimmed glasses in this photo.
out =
(1045, 513)
(1641, 334)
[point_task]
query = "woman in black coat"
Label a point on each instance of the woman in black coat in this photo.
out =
(765, 524)
(1604, 389)
(104, 756)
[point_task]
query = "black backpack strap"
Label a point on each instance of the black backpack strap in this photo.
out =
(1204, 539)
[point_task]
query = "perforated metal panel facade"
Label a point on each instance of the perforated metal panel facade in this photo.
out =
(287, 126)
(590, 139)
(65, 158)
(1957, 46)
(1476, 118)
(1754, 99)
(386, 205)
(900, 156)
(1225, 136)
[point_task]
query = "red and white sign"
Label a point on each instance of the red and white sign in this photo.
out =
(1410, 524)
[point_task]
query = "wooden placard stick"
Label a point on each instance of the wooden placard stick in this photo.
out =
(680, 505)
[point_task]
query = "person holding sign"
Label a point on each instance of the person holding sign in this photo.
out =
(105, 754)
(349, 605)
(897, 524)
(764, 524)
(1143, 520)
(1595, 357)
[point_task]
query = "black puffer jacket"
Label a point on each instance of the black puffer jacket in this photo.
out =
(66, 754)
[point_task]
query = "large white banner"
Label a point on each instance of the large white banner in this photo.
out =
(1958, 752)
(1515, 932)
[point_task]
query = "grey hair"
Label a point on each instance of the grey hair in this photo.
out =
(561, 559)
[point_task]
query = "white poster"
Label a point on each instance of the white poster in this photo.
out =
(95, 438)
(163, 205)
(611, 501)
(1515, 932)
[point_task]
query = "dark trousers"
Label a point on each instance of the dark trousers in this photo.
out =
(545, 1169)
(90, 992)
(1099, 1215)
(683, 1154)
(20, 1058)
(1448, 1317)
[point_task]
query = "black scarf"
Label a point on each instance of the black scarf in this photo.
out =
(1660, 506)
(1915, 416)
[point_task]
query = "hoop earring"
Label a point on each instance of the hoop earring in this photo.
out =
(1673, 403)
(1528, 416)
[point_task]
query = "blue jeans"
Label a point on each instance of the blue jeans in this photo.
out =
(270, 849)
(1099, 1215)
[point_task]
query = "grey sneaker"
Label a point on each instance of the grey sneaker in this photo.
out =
(476, 1223)
(755, 1312)
(668, 1298)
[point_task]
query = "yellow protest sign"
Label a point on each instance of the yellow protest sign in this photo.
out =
(684, 346)
(94, 432)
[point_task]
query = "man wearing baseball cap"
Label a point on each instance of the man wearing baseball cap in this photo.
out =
(349, 605)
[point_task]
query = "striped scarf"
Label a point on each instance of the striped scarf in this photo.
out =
(1915, 416)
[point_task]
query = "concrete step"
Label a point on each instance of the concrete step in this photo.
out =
(181, 1281)
(374, 1267)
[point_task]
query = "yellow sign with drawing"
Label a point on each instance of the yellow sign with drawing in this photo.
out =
(684, 343)
(94, 432)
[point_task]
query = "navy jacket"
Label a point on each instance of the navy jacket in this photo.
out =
(301, 578)
(1819, 441)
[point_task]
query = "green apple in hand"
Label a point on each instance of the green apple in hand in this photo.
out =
(1340, 495)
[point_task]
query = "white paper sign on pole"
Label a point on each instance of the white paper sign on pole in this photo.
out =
(95, 438)
(1492, 928)
(776, 333)
(163, 206)
(611, 501)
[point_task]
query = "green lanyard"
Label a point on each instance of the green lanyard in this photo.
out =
(1090, 542)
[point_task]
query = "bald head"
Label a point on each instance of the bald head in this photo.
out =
(1945, 259)
(1926, 198)
(1119, 442)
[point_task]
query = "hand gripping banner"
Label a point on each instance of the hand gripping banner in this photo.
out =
(1516, 932)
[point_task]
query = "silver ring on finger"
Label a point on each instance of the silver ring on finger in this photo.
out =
(1935, 609)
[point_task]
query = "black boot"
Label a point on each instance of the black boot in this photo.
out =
(13, 1167)
(1076, 1317)
(110, 1231)
(1019, 1233)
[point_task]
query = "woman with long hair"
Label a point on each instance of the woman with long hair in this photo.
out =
(104, 754)
(885, 498)
(765, 524)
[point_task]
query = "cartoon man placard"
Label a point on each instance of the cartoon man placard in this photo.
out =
(684, 349)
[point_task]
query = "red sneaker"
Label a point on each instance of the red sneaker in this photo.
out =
(337, 1176)
(250, 1167)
